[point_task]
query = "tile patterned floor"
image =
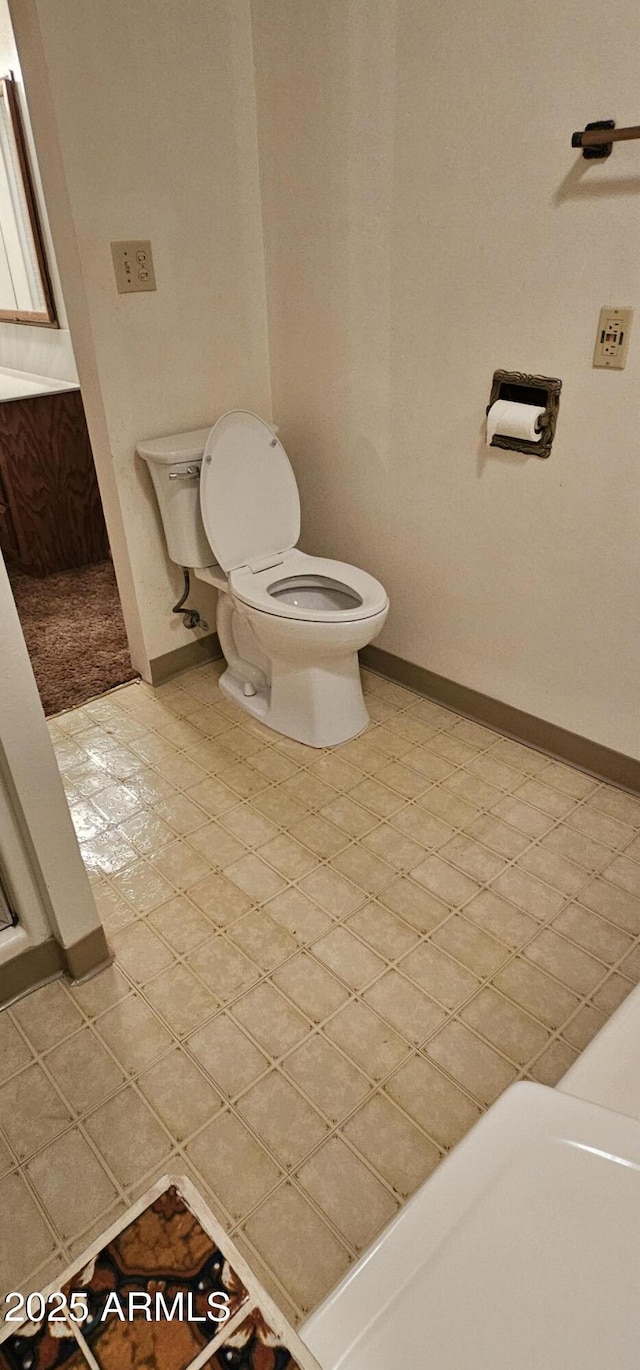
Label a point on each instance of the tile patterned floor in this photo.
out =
(327, 966)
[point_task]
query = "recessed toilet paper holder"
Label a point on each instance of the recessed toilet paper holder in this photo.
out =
(537, 391)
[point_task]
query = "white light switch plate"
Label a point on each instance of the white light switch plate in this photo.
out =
(612, 341)
(133, 265)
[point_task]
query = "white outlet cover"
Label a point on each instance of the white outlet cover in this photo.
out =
(612, 339)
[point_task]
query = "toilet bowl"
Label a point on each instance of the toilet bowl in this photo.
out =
(290, 625)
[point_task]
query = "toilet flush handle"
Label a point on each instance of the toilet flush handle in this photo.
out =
(189, 473)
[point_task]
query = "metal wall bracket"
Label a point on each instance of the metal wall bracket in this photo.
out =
(591, 150)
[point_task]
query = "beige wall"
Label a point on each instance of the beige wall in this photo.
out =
(426, 221)
(149, 116)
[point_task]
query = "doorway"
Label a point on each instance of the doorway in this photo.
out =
(53, 535)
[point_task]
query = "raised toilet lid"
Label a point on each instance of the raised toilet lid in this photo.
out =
(248, 493)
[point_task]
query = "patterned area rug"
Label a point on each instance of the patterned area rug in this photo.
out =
(75, 636)
(163, 1289)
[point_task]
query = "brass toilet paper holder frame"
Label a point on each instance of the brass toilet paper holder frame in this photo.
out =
(535, 390)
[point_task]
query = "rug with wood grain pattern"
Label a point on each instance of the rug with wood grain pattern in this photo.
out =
(74, 631)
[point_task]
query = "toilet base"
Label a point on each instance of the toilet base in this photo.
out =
(319, 705)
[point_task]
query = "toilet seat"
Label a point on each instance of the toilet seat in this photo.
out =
(248, 494)
(251, 514)
(294, 571)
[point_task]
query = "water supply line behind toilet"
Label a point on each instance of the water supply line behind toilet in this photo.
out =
(190, 617)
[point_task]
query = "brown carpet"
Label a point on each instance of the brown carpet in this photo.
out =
(74, 630)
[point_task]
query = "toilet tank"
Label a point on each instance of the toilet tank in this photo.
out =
(174, 463)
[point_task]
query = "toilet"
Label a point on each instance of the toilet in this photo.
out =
(290, 625)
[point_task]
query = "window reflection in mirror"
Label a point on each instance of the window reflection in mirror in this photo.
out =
(25, 287)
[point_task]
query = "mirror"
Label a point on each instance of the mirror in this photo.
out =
(25, 288)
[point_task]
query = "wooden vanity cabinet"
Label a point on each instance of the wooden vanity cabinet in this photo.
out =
(51, 515)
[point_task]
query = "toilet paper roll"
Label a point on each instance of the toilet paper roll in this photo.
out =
(511, 420)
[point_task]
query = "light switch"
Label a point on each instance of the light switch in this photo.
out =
(612, 342)
(133, 265)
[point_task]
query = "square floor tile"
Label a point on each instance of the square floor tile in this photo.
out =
(252, 875)
(101, 992)
(500, 918)
(330, 1082)
(31, 1239)
(144, 887)
(180, 1094)
(348, 958)
(472, 858)
(357, 1204)
(400, 852)
(388, 935)
(14, 1052)
(220, 900)
(223, 967)
(477, 1067)
(291, 1238)
(215, 844)
(181, 999)
(141, 953)
(498, 836)
(227, 1055)
(299, 915)
(625, 873)
(32, 1112)
(84, 1072)
(411, 1012)
(263, 939)
(473, 948)
(127, 1135)
(555, 870)
(433, 1101)
(134, 1034)
(324, 839)
(582, 1028)
(415, 905)
(448, 884)
(311, 988)
(439, 976)
(367, 1039)
(236, 1168)
(47, 1015)
(505, 1026)
(288, 857)
(270, 1019)
(528, 894)
(543, 797)
(529, 820)
(282, 1118)
(348, 817)
(554, 1063)
(332, 891)
(536, 992)
(69, 1180)
(181, 924)
(564, 841)
(363, 868)
(568, 963)
(392, 1144)
(613, 903)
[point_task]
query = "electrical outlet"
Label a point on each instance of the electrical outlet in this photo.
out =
(133, 265)
(612, 342)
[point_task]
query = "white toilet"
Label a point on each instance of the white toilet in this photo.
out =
(290, 625)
